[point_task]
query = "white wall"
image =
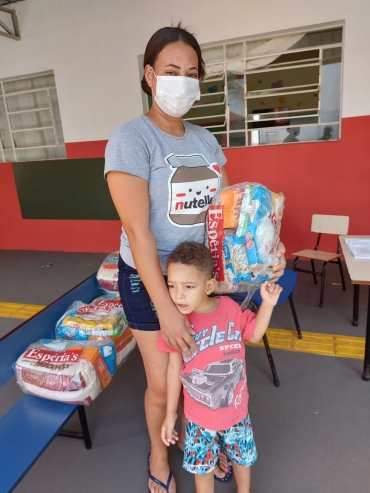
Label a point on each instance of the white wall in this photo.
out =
(92, 46)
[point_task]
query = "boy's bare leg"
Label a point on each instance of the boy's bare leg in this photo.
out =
(242, 477)
(204, 483)
(221, 471)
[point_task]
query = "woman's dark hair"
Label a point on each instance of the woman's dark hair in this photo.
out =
(162, 38)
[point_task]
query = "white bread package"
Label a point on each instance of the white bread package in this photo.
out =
(243, 231)
(62, 371)
(107, 275)
(102, 318)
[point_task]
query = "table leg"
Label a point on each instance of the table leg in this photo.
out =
(366, 372)
(356, 299)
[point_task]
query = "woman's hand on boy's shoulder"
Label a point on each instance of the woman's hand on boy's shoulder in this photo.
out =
(176, 330)
(270, 292)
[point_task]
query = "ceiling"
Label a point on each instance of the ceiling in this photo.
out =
(7, 2)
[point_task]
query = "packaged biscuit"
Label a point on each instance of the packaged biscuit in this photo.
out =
(102, 318)
(62, 371)
(243, 231)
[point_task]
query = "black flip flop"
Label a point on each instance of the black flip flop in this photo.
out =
(165, 486)
(228, 475)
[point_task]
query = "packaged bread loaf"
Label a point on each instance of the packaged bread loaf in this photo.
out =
(62, 371)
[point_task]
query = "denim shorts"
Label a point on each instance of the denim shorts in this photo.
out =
(139, 308)
(202, 446)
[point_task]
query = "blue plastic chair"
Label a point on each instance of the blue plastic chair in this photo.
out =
(287, 282)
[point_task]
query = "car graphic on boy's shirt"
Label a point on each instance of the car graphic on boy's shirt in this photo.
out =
(215, 385)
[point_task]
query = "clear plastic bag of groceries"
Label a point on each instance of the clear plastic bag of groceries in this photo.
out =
(107, 275)
(63, 371)
(102, 318)
(243, 231)
(124, 344)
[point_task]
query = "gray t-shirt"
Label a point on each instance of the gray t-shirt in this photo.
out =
(183, 174)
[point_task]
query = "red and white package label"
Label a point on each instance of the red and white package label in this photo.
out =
(62, 357)
(215, 235)
(105, 305)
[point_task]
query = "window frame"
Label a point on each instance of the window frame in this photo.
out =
(319, 61)
(11, 132)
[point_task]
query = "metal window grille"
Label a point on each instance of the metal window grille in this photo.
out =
(281, 96)
(30, 123)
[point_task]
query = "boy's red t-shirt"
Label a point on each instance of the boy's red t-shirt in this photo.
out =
(214, 380)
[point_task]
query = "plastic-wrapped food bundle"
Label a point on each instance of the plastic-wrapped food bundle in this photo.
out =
(124, 344)
(107, 275)
(62, 371)
(243, 231)
(124, 348)
(102, 318)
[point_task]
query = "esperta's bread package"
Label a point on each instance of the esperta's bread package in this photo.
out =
(62, 371)
(101, 320)
(103, 317)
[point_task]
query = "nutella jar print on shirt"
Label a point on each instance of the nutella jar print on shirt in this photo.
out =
(192, 185)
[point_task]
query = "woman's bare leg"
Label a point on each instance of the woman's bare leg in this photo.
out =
(155, 364)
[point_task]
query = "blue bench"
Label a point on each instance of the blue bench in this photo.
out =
(32, 423)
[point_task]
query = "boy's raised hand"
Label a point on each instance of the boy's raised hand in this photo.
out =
(270, 292)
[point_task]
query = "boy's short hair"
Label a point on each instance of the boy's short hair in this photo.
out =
(193, 253)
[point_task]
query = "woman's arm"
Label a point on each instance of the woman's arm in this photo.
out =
(130, 195)
(225, 179)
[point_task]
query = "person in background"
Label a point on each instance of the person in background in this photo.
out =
(162, 173)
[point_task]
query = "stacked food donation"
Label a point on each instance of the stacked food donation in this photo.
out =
(92, 340)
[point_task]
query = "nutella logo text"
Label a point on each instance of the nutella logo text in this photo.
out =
(192, 204)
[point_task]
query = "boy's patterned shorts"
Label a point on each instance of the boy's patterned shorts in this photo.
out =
(202, 446)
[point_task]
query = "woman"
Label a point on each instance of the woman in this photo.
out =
(162, 173)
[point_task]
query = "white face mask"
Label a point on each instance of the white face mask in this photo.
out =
(175, 95)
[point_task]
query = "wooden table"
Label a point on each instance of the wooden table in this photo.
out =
(359, 273)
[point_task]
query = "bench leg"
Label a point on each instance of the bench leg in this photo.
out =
(84, 427)
(85, 434)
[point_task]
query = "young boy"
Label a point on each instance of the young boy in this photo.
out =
(214, 378)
